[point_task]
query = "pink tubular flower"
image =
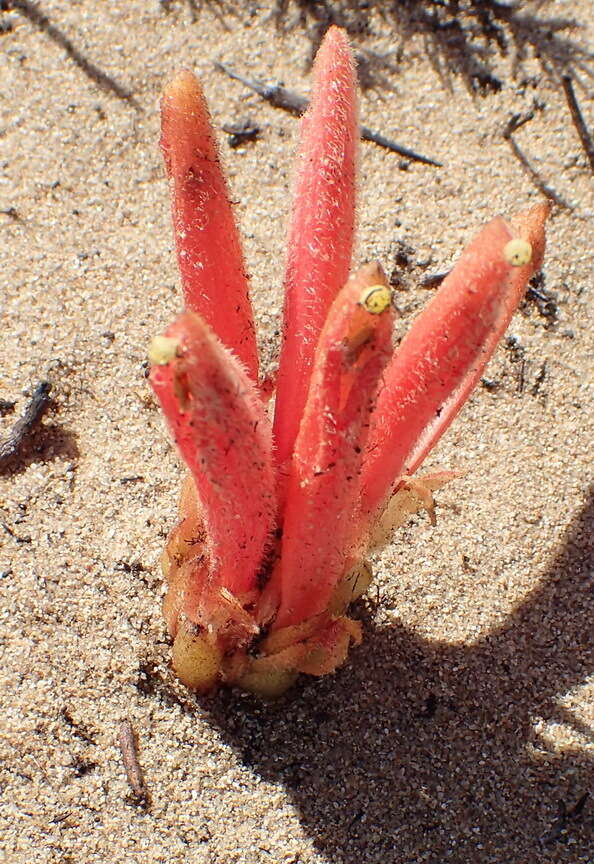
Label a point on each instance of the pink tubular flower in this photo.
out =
(276, 517)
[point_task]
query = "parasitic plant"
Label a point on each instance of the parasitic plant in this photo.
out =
(276, 515)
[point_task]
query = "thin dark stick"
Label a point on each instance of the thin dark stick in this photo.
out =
(127, 742)
(377, 138)
(12, 213)
(522, 376)
(513, 124)
(516, 121)
(294, 103)
(34, 14)
(546, 190)
(578, 120)
(277, 95)
(434, 279)
(23, 427)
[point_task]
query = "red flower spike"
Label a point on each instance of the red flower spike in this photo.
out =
(323, 483)
(223, 433)
(208, 247)
(322, 228)
(443, 356)
(260, 572)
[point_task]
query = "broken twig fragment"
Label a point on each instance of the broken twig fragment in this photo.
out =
(433, 280)
(280, 97)
(241, 132)
(26, 424)
(127, 742)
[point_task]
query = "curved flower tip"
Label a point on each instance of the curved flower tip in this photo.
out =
(221, 428)
(208, 249)
(321, 230)
(443, 356)
(323, 483)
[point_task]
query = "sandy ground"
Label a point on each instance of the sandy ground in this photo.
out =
(462, 729)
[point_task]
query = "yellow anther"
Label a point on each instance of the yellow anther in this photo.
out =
(517, 252)
(162, 350)
(376, 299)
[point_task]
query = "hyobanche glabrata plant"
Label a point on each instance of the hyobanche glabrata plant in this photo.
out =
(277, 513)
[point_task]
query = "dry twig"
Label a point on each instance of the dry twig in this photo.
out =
(294, 103)
(24, 426)
(127, 742)
(515, 122)
(578, 120)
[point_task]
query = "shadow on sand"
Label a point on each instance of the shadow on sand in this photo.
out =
(424, 751)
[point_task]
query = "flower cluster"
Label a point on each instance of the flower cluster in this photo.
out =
(277, 514)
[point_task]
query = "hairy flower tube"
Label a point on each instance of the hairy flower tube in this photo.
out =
(277, 513)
